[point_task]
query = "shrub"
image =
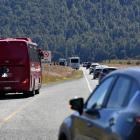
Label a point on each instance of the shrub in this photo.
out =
(128, 62)
(137, 63)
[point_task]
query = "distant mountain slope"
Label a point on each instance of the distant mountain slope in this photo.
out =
(92, 29)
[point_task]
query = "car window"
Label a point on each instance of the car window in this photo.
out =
(119, 93)
(105, 70)
(98, 95)
(134, 89)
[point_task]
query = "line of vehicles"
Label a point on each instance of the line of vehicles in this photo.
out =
(73, 62)
(98, 70)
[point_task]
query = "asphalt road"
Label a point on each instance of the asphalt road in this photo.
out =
(39, 117)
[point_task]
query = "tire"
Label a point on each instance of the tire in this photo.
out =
(2, 95)
(37, 91)
(32, 93)
(25, 94)
(29, 93)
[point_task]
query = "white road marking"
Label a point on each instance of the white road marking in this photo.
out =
(89, 87)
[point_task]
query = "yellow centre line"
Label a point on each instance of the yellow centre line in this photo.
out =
(9, 117)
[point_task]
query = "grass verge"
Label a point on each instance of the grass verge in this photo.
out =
(123, 62)
(56, 74)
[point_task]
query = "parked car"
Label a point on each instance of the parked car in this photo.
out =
(112, 111)
(85, 64)
(91, 69)
(88, 65)
(106, 71)
(62, 61)
(97, 71)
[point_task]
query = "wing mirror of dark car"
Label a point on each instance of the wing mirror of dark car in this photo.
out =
(77, 104)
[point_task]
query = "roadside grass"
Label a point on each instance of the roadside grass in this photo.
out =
(122, 63)
(56, 74)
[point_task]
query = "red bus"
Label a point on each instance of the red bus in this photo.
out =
(20, 66)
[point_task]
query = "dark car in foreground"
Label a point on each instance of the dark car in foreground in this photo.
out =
(112, 111)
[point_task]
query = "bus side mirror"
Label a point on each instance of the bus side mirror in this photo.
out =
(40, 53)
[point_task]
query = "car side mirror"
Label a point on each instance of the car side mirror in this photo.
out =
(77, 104)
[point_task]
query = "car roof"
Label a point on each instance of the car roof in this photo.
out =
(94, 63)
(110, 68)
(98, 68)
(101, 67)
(133, 72)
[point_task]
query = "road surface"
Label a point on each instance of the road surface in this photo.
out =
(39, 117)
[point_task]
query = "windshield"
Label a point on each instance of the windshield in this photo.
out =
(74, 60)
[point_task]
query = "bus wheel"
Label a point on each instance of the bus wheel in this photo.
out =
(29, 93)
(25, 94)
(37, 91)
(32, 93)
(2, 94)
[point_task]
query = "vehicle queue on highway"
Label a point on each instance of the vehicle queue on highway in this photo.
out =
(98, 70)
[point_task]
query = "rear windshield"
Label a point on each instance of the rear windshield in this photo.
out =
(13, 50)
(108, 70)
(74, 60)
(98, 70)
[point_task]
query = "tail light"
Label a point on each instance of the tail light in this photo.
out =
(25, 81)
(138, 120)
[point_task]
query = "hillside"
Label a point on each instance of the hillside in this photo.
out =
(92, 29)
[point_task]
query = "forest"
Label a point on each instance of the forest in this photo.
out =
(95, 30)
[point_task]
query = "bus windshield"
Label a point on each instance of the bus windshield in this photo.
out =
(74, 60)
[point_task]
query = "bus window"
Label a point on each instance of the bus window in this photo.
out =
(34, 56)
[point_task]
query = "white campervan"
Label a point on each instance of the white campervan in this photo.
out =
(74, 62)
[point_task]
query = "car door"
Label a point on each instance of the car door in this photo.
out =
(85, 126)
(98, 121)
(118, 118)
